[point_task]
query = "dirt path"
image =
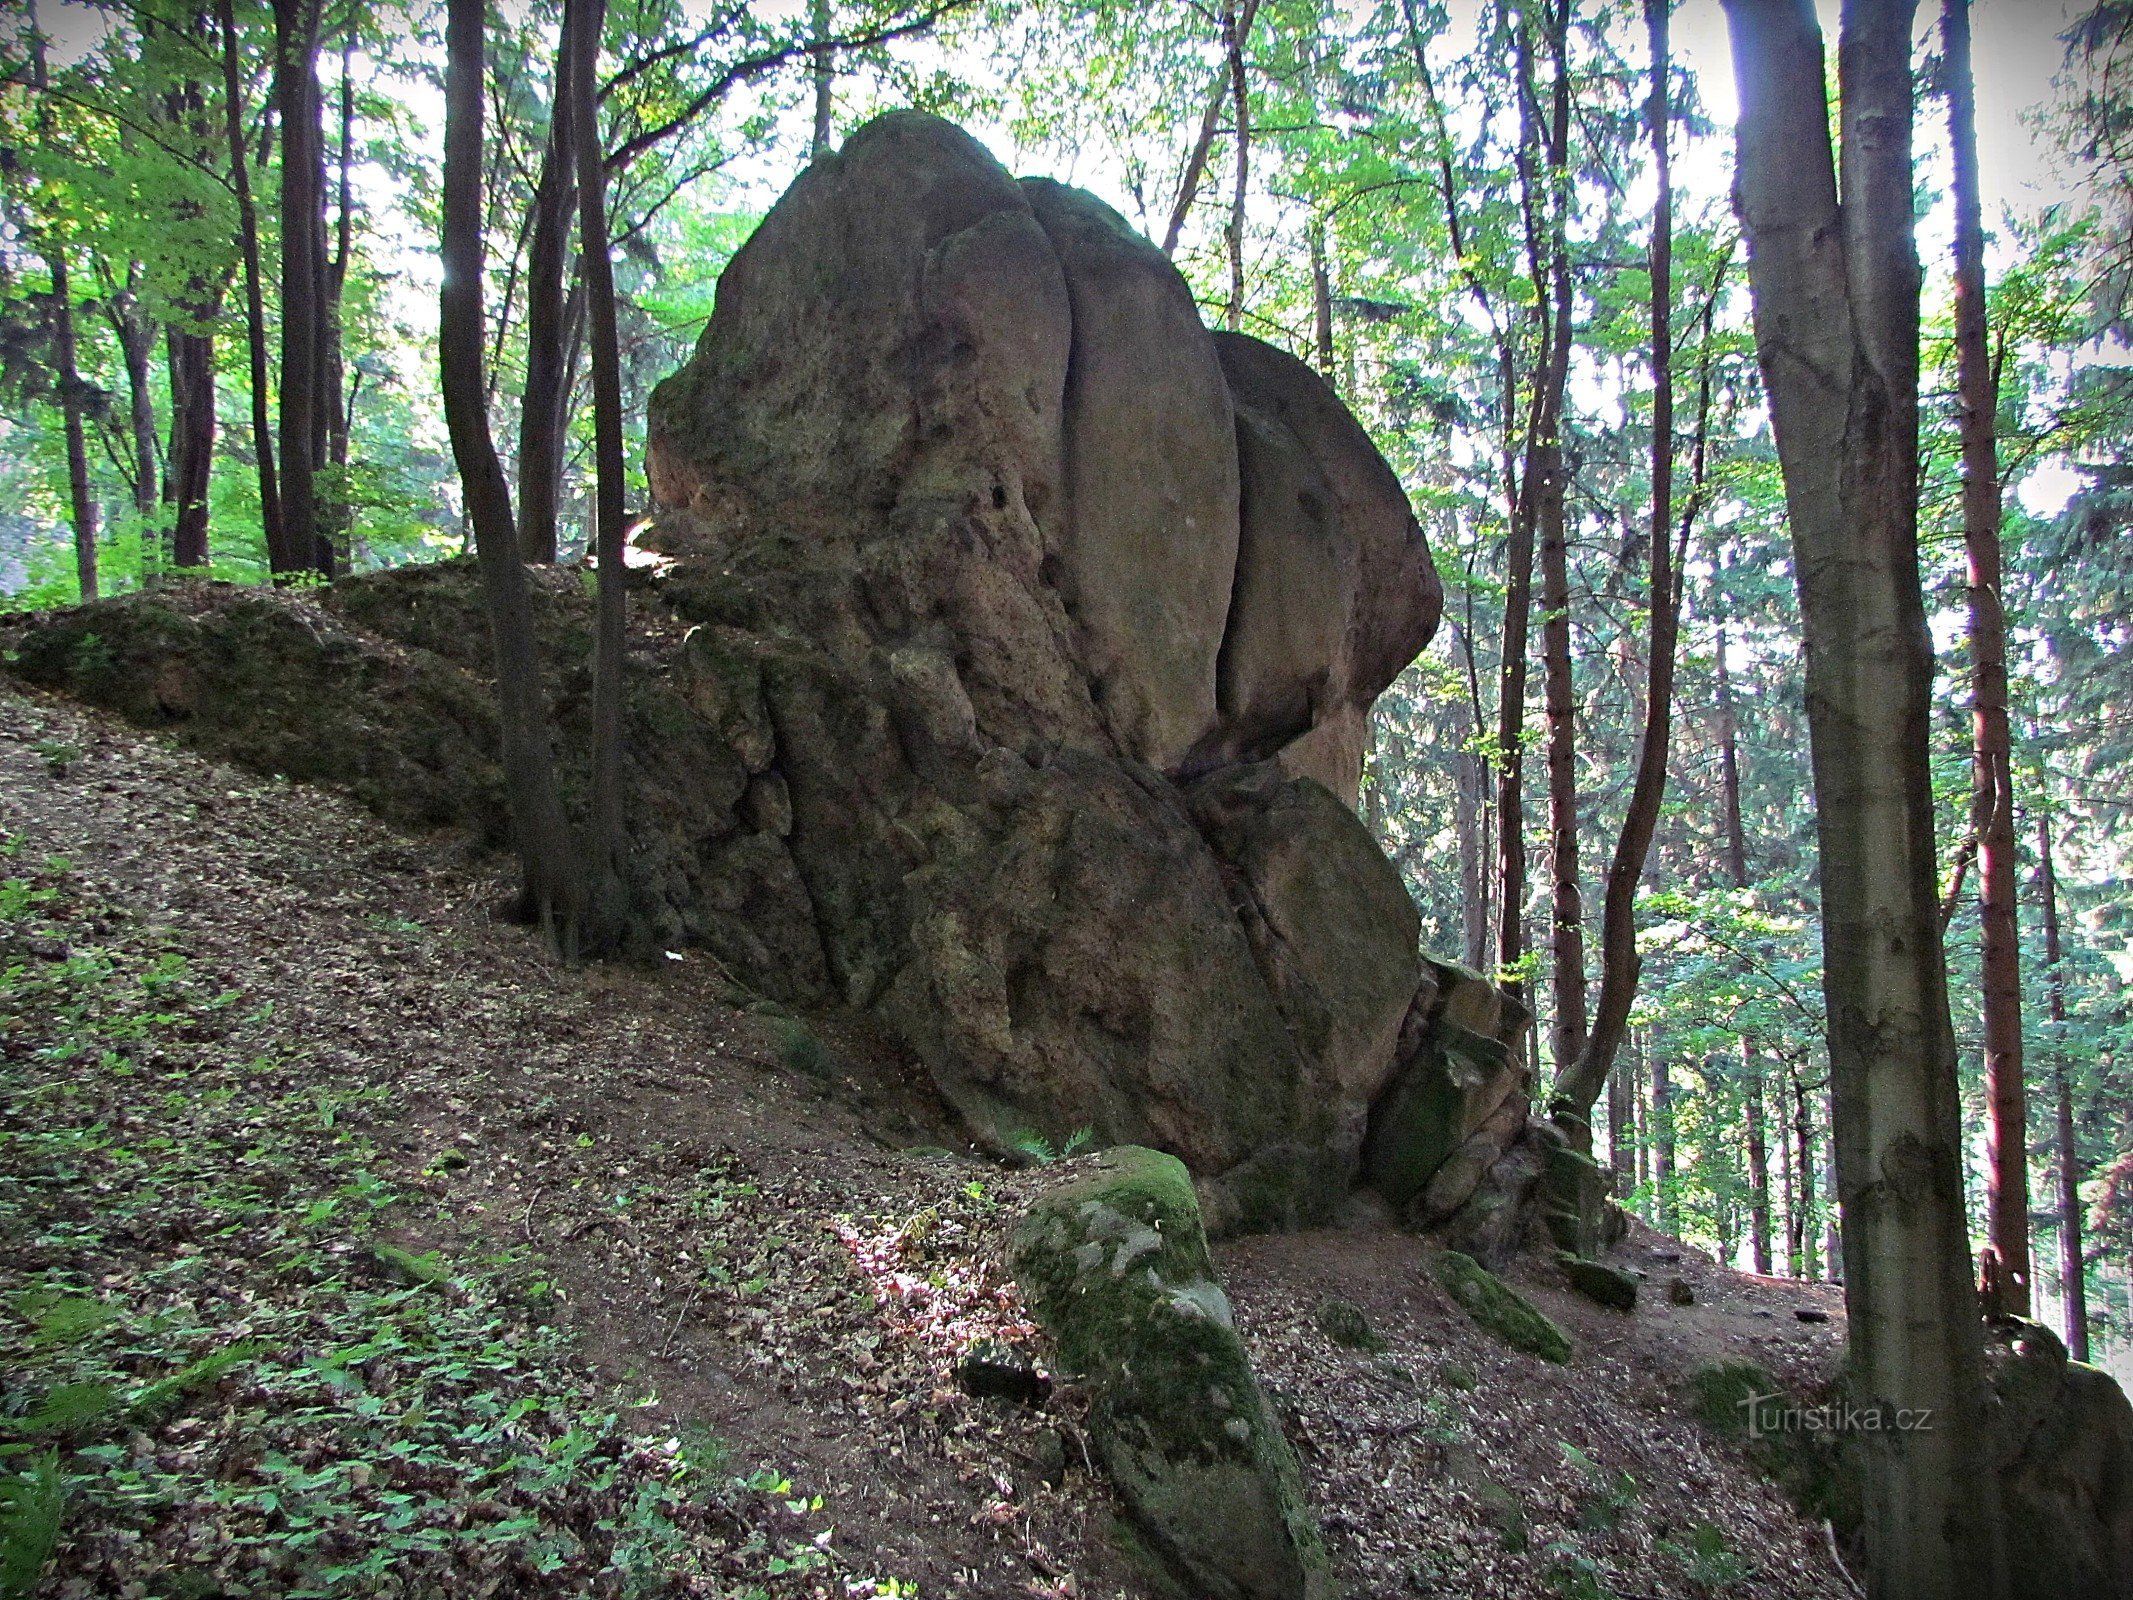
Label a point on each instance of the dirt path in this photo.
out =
(751, 1228)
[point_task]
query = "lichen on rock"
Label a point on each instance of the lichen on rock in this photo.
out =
(1113, 1265)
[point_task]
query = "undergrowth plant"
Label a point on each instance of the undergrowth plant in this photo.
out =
(232, 1370)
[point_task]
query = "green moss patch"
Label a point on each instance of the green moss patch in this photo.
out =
(1499, 1308)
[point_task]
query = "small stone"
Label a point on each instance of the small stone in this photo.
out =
(1679, 1292)
(1809, 1314)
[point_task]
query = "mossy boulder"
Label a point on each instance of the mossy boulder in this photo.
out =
(1599, 1282)
(1499, 1308)
(1576, 1197)
(1113, 1264)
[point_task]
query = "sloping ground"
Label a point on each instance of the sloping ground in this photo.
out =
(348, 1246)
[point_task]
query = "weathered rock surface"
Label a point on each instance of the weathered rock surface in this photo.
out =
(1004, 681)
(2063, 1447)
(1113, 1265)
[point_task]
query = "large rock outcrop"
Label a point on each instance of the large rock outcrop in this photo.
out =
(1006, 679)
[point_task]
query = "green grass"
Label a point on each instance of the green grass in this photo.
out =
(232, 1370)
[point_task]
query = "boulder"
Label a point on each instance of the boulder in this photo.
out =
(1599, 1282)
(1005, 681)
(1498, 1308)
(2063, 1445)
(1457, 1098)
(1335, 589)
(1113, 1265)
(1149, 543)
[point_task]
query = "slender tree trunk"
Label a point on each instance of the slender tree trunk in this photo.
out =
(552, 890)
(582, 23)
(2073, 1275)
(81, 492)
(1640, 1099)
(255, 312)
(1621, 965)
(303, 288)
(1758, 1161)
(1203, 143)
(1803, 1138)
(189, 461)
(1832, 1224)
(1621, 1126)
(1788, 1195)
(1662, 1141)
(137, 341)
(1992, 767)
(1729, 767)
(542, 413)
(823, 67)
(1835, 295)
(1321, 301)
(336, 513)
(1241, 113)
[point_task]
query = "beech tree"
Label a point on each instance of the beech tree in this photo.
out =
(552, 888)
(1834, 285)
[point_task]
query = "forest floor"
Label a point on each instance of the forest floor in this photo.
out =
(351, 1246)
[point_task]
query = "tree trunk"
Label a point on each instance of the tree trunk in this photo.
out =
(1662, 1141)
(1621, 1127)
(551, 888)
(1803, 1139)
(1729, 768)
(1758, 1162)
(1204, 141)
(136, 341)
(336, 512)
(1321, 301)
(2073, 1274)
(1241, 113)
(1640, 1101)
(542, 413)
(1992, 768)
(1835, 297)
(81, 492)
(1788, 1196)
(823, 69)
(304, 544)
(255, 313)
(190, 458)
(581, 24)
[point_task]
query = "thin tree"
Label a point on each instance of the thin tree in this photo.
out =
(81, 493)
(1578, 1086)
(255, 312)
(550, 356)
(582, 26)
(2073, 1271)
(822, 67)
(1241, 115)
(1558, 692)
(552, 890)
(1835, 291)
(1992, 768)
(305, 544)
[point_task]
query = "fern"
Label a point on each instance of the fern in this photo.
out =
(71, 1411)
(30, 1504)
(155, 1403)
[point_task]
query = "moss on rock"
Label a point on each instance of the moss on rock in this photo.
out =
(1499, 1308)
(1113, 1263)
(1599, 1282)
